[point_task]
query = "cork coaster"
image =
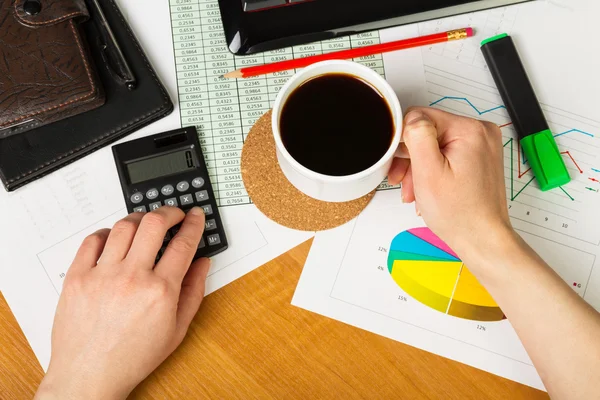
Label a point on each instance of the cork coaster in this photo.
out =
(277, 198)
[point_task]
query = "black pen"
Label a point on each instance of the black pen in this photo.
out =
(124, 71)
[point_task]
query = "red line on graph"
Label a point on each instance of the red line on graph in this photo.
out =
(519, 162)
(593, 179)
(574, 162)
(505, 125)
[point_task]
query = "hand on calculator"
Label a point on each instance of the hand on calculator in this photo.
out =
(120, 315)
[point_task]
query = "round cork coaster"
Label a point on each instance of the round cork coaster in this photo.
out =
(277, 198)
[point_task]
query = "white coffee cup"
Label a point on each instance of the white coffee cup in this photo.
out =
(336, 188)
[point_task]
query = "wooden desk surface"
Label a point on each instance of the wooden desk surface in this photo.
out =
(248, 342)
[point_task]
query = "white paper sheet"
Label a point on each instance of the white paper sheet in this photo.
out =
(44, 222)
(346, 275)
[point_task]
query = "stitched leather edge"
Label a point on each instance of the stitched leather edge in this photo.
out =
(55, 20)
(62, 105)
(167, 103)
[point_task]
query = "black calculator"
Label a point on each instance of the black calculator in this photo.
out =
(168, 169)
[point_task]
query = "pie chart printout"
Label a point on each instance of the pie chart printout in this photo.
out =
(431, 273)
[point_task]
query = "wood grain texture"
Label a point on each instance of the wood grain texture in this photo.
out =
(20, 372)
(248, 342)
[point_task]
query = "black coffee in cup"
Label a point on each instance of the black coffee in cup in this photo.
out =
(336, 124)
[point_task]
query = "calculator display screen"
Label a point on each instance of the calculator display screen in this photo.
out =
(161, 165)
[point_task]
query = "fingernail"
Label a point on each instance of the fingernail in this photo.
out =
(197, 211)
(414, 116)
(402, 195)
(418, 212)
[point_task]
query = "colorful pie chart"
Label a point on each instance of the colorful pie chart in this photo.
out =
(431, 273)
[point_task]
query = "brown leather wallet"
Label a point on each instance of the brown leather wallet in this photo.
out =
(46, 73)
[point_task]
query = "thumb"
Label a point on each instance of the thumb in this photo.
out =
(421, 138)
(192, 294)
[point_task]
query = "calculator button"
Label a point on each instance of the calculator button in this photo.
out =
(152, 194)
(186, 199)
(213, 239)
(140, 209)
(202, 196)
(171, 202)
(207, 209)
(155, 206)
(137, 198)
(210, 225)
(167, 190)
(198, 182)
(202, 244)
(183, 186)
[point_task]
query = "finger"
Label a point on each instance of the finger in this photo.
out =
(408, 189)
(398, 170)
(421, 137)
(89, 252)
(151, 233)
(192, 293)
(180, 252)
(120, 239)
(443, 120)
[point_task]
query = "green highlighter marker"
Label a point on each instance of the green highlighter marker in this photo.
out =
(535, 136)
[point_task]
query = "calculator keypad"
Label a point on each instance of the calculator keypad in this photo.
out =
(187, 196)
(167, 190)
(198, 182)
(183, 186)
(186, 199)
(137, 198)
(152, 194)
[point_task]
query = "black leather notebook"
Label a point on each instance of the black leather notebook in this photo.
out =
(28, 156)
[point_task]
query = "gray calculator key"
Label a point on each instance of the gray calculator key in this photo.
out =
(171, 202)
(155, 206)
(213, 239)
(186, 199)
(183, 186)
(137, 198)
(207, 209)
(198, 182)
(167, 190)
(202, 196)
(140, 209)
(202, 244)
(210, 225)
(152, 194)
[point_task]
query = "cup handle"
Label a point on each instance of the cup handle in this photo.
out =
(401, 151)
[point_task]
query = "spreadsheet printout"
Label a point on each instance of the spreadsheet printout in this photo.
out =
(224, 110)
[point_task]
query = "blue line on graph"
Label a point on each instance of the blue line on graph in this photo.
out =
(469, 103)
(595, 170)
(503, 107)
(574, 130)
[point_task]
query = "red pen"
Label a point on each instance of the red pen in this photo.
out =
(352, 53)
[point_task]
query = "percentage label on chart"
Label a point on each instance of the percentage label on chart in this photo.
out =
(481, 328)
(380, 268)
(382, 249)
(402, 298)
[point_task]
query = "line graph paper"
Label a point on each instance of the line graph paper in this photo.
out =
(578, 138)
(489, 23)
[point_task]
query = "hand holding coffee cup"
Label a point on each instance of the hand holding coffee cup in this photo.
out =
(337, 125)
